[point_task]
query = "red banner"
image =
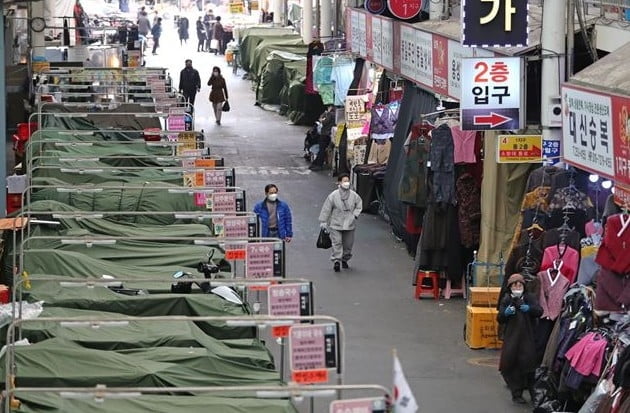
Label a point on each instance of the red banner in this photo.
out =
(621, 138)
(440, 65)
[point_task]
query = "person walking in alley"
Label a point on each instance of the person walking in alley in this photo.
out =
(217, 36)
(327, 121)
(182, 30)
(189, 82)
(275, 215)
(338, 215)
(518, 312)
(218, 93)
(156, 31)
(201, 35)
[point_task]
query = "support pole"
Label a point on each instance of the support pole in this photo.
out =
(307, 21)
(277, 11)
(326, 19)
(3, 119)
(553, 63)
(570, 37)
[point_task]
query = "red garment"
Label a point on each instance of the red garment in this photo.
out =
(587, 355)
(614, 253)
(552, 293)
(568, 257)
(413, 223)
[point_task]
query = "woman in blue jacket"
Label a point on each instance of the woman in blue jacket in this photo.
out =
(275, 215)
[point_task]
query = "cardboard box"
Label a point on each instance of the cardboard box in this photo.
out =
(482, 328)
(484, 296)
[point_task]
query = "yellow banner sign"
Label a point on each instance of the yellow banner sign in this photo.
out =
(519, 149)
(237, 7)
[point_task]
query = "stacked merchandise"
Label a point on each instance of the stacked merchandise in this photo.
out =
(441, 186)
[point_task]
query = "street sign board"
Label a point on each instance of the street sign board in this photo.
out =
(587, 126)
(492, 93)
(495, 23)
(519, 148)
(368, 405)
(289, 299)
(313, 347)
(404, 9)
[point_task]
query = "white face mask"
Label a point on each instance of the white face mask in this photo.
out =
(345, 185)
(517, 293)
(272, 197)
(215, 74)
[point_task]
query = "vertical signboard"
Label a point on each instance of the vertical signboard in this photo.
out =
(356, 37)
(621, 140)
(440, 65)
(492, 94)
(587, 128)
(313, 350)
(377, 41)
(387, 41)
(408, 58)
(495, 23)
(423, 45)
(456, 53)
(362, 21)
(369, 38)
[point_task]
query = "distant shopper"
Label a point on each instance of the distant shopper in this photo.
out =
(218, 93)
(201, 35)
(518, 312)
(142, 10)
(326, 122)
(208, 20)
(182, 30)
(217, 35)
(339, 214)
(275, 215)
(156, 31)
(144, 25)
(189, 82)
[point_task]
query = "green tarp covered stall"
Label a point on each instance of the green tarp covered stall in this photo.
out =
(252, 36)
(59, 362)
(53, 403)
(272, 77)
(118, 118)
(287, 44)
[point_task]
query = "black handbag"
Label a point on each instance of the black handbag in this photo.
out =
(226, 106)
(323, 240)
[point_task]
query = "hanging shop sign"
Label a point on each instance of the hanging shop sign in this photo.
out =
(356, 115)
(313, 350)
(492, 94)
(519, 148)
(377, 41)
(375, 6)
(440, 65)
(254, 5)
(237, 7)
(404, 9)
(387, 42)
(457, 52)
(551, 150)
(368, 405)
(587, 126)
(621, 136)
(495, 23)
(362, 34)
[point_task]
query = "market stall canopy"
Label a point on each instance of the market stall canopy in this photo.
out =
(609, 74)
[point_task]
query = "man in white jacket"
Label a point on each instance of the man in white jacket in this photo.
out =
(339, 213)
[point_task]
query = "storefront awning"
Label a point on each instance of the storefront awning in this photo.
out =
(609, 74)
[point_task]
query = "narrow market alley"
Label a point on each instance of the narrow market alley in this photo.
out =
(374, 299)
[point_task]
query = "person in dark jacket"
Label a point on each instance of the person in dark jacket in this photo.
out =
(518, 313)
(189, 82)
(275, 215)
(217, 34)
(218, 93)
(327, 121)
(182, 30)
(201, 35)
(156, 31)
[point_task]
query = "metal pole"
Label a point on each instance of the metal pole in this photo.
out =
(553, 69)
(570, 37)
(3, 121)
(325, 19)
(307, 21)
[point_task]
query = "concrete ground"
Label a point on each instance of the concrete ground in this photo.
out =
(374, 299)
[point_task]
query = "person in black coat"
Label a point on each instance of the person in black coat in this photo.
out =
(189, 82)
(182, 30)
(201, 35)
(518, 313)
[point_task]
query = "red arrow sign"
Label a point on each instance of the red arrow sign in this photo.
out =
(536, 151)
(493, 120)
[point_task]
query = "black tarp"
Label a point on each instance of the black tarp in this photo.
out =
(414, 103)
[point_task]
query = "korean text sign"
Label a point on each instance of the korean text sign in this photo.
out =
(495, 23)
(313, 347)
(587, 129)
(371, 405)
(621, 133)
(289, 299)
(492, 96)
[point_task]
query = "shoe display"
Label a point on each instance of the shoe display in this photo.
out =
(337, 267)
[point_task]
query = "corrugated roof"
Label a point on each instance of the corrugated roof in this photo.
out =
(610, 73)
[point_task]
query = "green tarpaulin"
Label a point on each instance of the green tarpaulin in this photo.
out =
(287, 44)
(252, 36)
(272, 79)
(52, 403)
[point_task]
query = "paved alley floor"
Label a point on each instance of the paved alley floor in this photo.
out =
(374, 299)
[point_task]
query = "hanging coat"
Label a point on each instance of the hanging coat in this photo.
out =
(519, 349)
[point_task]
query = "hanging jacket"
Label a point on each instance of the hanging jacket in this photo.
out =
(413, 184)
(283, 218)
(442, 165)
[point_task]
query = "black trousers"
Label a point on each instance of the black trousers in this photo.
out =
(156, 44)
(189, 95)
(324, 142)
